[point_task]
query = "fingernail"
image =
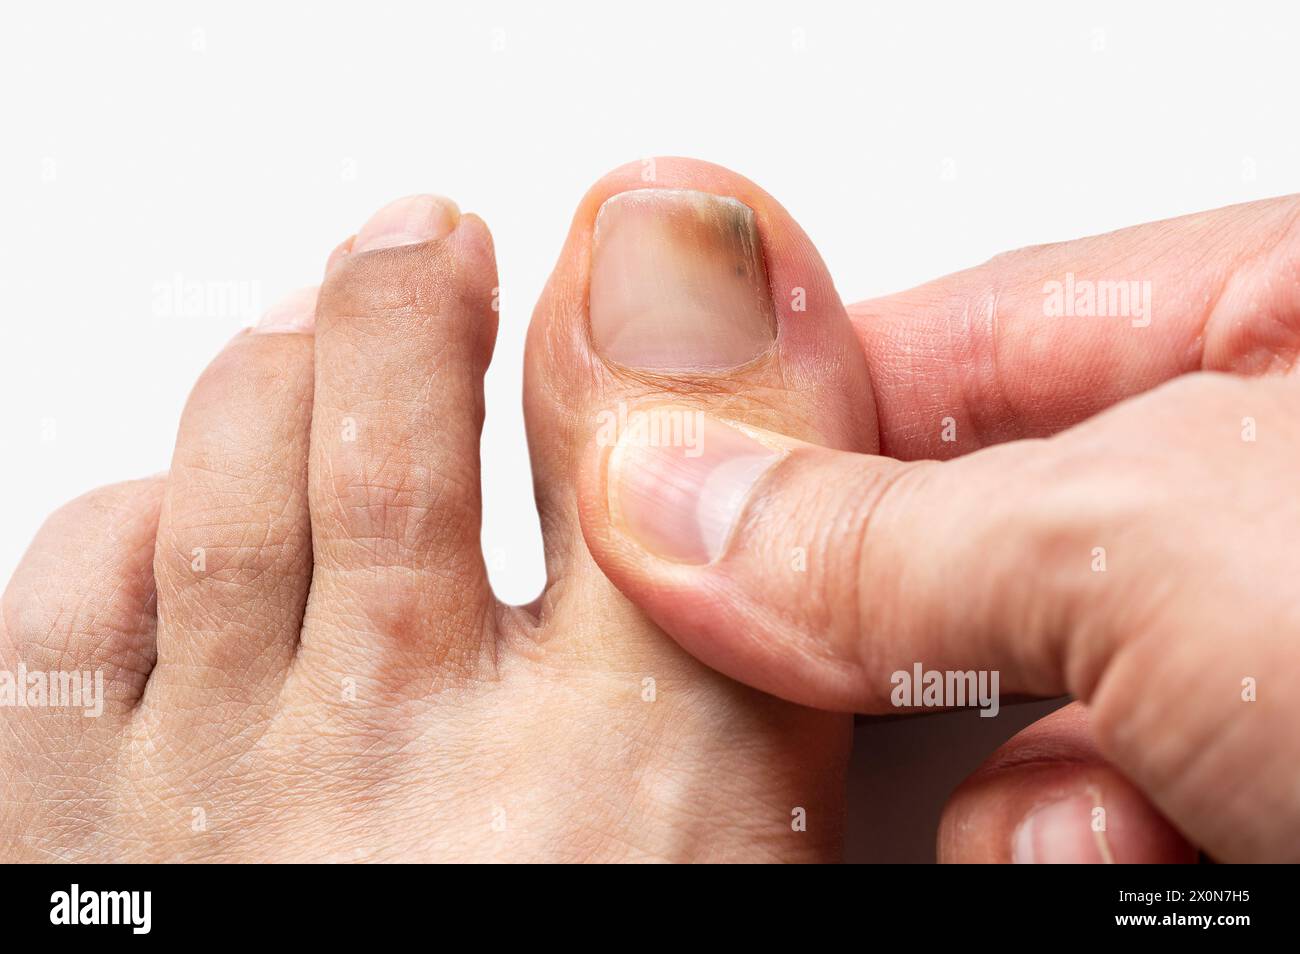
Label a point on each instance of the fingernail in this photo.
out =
(296, 312)
(681, 498)
(1070, 831)
(416, 218)
(678, 282)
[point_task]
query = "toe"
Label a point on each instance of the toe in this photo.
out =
(82, 599)
(233, 561)
(77, 641)
(694, 292)
(697, 289)
(405, 330)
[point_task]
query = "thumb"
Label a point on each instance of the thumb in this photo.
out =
(815, 574)
(820, 576)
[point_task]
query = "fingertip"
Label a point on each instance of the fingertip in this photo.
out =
(1046, 797)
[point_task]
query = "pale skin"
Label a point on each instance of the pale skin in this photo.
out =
(304, 660)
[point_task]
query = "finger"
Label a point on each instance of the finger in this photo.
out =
(826, 578)
(1048, 797)
(1039, 339)
(814, 573)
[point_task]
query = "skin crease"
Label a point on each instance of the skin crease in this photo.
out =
(987, 560)
(335, 681)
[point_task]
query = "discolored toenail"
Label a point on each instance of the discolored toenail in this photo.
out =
(678, 282)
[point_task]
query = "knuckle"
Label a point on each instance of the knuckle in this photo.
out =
(234, 540)
(399, 507)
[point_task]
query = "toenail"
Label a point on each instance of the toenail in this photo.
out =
(341, 251)
(678, 282)
(678, 487)
(296, 312)
(408, 221)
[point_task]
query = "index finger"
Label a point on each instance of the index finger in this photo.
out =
(1039, 339)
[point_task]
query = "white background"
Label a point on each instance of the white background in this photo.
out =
(238, 143)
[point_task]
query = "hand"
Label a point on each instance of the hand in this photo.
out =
(1144, 561)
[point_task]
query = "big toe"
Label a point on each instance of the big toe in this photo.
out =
(693, 294)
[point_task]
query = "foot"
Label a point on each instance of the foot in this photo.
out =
(300, 653)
